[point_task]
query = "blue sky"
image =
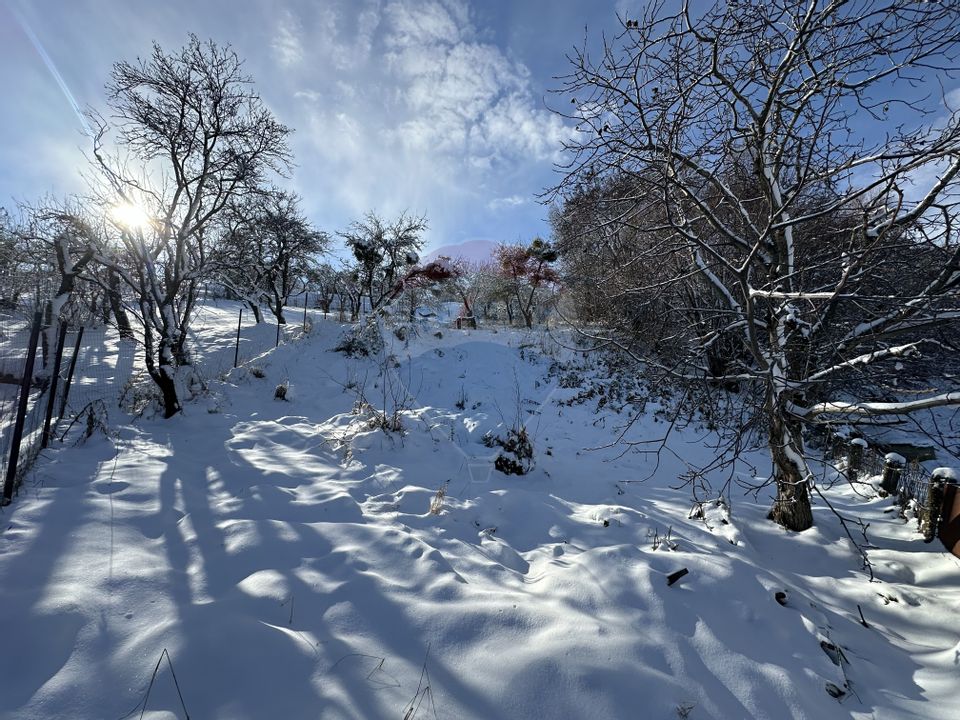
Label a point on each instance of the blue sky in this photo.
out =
(432, 106)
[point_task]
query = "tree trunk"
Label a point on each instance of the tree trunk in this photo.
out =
(792, 507)
(255, 308)
(161, 371)
(116, 305)
(168, 389)
(181, 355)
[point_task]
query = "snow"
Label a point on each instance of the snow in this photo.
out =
(893, 458)
(297, 563)
(946, 474)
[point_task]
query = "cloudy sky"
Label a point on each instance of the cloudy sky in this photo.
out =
(438, 107)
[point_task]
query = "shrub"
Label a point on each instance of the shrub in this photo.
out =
(517, 455)
(362, 340)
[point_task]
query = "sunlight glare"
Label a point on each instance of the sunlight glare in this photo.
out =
(130, 216)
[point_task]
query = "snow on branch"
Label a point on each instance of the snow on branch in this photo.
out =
(908, 350)
(876, 408)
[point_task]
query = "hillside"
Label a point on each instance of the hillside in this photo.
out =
(297, 562)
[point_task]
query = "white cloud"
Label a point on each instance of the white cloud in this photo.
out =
(287, 45)
(425, 23)
(465, 96)
(311, 96)
(952, 100)
(511, 201)
(403, 107)
(343, 37)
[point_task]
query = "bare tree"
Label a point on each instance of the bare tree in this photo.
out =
(323, 279)
(9, 259)
(268, 250)
(195, 136)
(385, 251)
(59, 231)
(770, 159)
(468, 285)
(526, 270)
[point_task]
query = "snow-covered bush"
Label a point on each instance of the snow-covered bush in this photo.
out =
(517, 455)
(362, 340)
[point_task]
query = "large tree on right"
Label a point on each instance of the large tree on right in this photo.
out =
(779, 178)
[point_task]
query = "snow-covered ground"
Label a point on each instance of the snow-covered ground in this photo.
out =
(296, 563)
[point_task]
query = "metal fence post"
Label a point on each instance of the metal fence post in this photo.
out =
(236, 353)
(54, 379)
(306, 297)
(25, 382)
(73, 367)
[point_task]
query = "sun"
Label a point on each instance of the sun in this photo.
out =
(130, 216)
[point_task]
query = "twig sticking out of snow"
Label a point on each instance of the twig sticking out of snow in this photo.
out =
(146, 697)
(424, 691)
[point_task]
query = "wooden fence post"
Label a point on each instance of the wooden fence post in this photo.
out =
(855, 457)
(892, 468)
(950, 514)
(933, 507)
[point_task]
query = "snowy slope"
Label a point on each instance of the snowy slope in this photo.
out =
(286, 557)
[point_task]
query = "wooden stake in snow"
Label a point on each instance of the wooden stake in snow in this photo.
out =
(855, 457)
(892, 467)
(674, 576)
(933, 507)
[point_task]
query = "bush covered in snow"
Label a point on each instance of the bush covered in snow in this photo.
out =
(362, 340)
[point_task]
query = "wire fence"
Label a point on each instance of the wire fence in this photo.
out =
(87, 374)
(225, 334)
(33, 393)
(870, 461)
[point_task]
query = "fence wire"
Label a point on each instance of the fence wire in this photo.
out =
(100, 374)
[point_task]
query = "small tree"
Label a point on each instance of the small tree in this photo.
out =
(323, 279)
(11, 250)
(467, 285)
(59, 231)
(527, 270)
(268, 250)
(384, 251)
(196, 136)
(28, 269)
